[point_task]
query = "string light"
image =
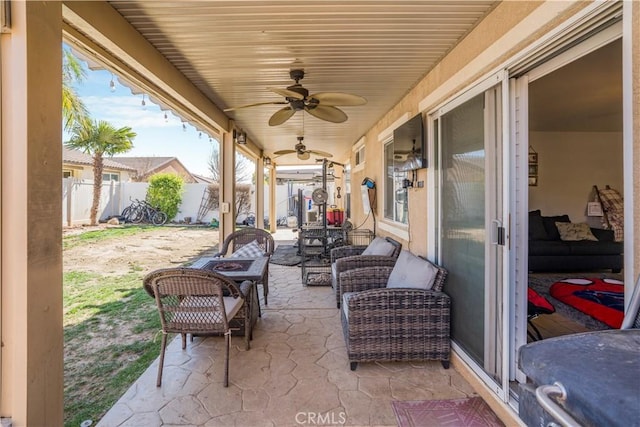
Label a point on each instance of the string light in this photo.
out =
(166, 118)
(112, 84)
(199, 135)
(144, 104)
(184, 127)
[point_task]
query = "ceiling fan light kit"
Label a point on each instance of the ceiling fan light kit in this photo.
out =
(322, 105)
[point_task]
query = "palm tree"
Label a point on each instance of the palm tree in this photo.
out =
(99, 138)
(73, 109)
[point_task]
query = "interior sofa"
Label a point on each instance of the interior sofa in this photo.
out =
(548, 252)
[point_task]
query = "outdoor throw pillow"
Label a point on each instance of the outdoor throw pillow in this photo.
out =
(571, 232)
(250, 250)
(379, 246)
(411, 271)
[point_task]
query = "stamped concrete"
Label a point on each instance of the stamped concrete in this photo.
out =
(296, 373)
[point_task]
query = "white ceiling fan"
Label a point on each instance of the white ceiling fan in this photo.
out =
(301, 151)
(322, 105)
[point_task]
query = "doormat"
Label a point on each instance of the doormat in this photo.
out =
(469, 412)
(285, 255)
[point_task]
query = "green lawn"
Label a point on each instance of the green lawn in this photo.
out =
(109, 329)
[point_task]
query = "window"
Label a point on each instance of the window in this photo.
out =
(395, 195)
(110, 176)
(360, 156)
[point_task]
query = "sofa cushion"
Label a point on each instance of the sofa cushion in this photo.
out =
(549, 247)
(589, 247)
(379, 246)
(411, 271)
(550, 225)
(536, 227)
(575, 232)
(603, 235)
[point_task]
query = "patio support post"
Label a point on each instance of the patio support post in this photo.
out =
(260, 192)
(31, 268)
(227, 185)
(273, 216)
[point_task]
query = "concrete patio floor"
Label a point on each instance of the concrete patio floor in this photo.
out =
(296, 372)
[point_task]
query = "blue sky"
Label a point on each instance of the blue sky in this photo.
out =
(155, 135)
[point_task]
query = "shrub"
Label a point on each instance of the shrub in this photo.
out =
(165, 191)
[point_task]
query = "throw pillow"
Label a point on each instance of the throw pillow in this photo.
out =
(250, 250)
(379, 246)
(573, 232)
(550, 225)
(411, 271)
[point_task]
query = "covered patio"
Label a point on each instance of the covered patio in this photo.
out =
(295, 373)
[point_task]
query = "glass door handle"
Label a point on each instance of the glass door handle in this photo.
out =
(497, 232)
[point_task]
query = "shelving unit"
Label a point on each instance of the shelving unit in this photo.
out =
(315, 244)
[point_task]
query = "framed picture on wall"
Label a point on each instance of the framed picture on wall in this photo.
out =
(594, 209)
(533, 170)
(533, 157)
(533, 181)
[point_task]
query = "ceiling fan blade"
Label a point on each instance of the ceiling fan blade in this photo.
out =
(256, 104)
(281, 116)
(286, 93)
(320, 153)
(283, 152)
(328, 113)
(338, 98)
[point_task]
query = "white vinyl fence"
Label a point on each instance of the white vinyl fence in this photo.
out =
(77, 196)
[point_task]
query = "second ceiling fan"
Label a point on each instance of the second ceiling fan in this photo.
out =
(322, 105)
(301, 151)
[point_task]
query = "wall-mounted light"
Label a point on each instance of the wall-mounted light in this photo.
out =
(239, 137)
(267, 161)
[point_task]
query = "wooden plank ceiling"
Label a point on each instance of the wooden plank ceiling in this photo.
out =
(233, 51)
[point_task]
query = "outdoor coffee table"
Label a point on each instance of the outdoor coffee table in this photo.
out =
(239, 270)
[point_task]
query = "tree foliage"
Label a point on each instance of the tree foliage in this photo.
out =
(165, 192)
(243, 198)
(73, 109)
(99, 138)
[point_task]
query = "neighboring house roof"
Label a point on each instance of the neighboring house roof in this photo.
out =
(147, 166)
(203, 179)
(76, 157)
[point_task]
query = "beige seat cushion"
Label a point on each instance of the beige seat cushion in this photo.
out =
(379, 246)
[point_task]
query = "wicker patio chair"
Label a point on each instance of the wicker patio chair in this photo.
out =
(350, 257)
(394, 324)
(242, 237)
(192, 301)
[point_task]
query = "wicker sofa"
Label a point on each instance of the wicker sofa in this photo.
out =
(394, 324)
(345, 258)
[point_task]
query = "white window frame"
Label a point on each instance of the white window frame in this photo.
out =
(111, 175)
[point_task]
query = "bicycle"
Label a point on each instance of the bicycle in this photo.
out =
(140, 211)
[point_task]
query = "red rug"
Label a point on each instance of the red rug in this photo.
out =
(602, 299)
(468, 412)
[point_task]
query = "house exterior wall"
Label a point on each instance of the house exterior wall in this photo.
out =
(503, 32)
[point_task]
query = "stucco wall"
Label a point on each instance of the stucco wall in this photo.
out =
(502, 33)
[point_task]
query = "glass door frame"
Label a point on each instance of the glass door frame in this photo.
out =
(500, 388)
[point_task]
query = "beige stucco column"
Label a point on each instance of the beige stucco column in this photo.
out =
(273, 226)
(260, 192)
(227, 185)
(31, 269)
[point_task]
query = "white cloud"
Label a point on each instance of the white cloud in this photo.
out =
(128, 111)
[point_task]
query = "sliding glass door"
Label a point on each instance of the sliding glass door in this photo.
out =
(467, 133)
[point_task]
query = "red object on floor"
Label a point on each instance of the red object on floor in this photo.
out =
(598, 298)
